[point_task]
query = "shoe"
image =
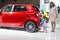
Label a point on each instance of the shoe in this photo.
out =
(52, 31)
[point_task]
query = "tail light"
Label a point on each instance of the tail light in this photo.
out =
(38, 15)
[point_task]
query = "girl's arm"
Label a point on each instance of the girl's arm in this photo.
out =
(56, 10)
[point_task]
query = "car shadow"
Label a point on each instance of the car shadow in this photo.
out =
(12, 28)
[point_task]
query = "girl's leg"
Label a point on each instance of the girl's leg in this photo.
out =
(44, 30)
(52, 24)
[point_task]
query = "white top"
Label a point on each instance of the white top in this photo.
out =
(53, 13)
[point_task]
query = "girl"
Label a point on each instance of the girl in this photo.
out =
(53, 13)
(43, 23)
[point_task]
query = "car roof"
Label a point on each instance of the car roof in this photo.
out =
(22, 4)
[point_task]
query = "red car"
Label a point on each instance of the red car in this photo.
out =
(25, 16)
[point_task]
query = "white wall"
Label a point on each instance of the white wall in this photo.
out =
(57, 2)
(44, 6)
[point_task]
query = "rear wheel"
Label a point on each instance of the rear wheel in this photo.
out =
(30, 26)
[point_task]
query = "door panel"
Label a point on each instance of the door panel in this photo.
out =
(1, 19)
(6, 11)
(19, 12)
(18, 17)
(6, 17)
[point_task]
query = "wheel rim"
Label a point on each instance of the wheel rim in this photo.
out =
(30, 27)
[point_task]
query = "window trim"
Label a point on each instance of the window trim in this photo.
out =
(12, 8)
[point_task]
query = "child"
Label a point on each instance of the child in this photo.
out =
(43, 23)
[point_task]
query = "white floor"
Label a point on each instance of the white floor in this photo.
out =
(7, 34)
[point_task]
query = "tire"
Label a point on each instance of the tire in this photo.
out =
(0, 26)
(30, 27)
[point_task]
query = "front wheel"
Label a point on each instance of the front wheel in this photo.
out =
(30, 26)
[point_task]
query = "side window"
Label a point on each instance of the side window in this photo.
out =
(35, 8)
(7, 9)
(19, 8)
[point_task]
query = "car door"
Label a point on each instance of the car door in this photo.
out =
(0, 18)
(6, 14)
(19, 12)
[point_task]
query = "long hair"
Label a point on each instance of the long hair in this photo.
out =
(52, 4)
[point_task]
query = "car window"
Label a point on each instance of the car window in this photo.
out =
(7, 9)
(19, 8)
(35, 8)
